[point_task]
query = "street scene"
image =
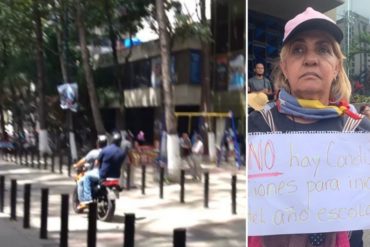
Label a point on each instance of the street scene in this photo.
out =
(155, 218)
(123, 123)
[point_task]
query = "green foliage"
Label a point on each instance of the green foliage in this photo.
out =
(358, 98)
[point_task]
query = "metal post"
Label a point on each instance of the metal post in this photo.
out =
(179, 237)
(2, 192)
(128, 176)
(233, 194)
(44, 213)
(182, 186)
(13, 199)
(91, 231)
(27, 199)
(206, 189)
(64, 221)
(129, 232)
(143, 174)
(161, 180)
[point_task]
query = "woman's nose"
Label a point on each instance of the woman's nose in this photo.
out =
(311, 58)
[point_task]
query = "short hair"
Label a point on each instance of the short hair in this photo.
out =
(363, 107)
(341, 87)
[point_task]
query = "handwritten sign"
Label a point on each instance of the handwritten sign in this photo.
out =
(308, 182)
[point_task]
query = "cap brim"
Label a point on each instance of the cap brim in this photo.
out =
(317, 24)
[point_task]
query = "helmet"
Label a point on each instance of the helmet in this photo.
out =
(116, 138)
(102, 141)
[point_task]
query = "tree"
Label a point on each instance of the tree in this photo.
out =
(87, 68)
(43, 134)
(173, 155)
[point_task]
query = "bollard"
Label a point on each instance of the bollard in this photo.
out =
(2, 192)
(45, 161)
(69, 165)
(32, 157)
(38, 160)
(44, 213)
(52, 162)
(206, 189)
(128, 176)
(179, 237)
(13, 199)
(161, 180)
(27, 203)
(182, 186)
(233, 194)
(64, 221)
(143, 174)
(91, 230)
(60, 162)
(129, 232)
(26, 154)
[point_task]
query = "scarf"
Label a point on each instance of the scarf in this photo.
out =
(312, 109)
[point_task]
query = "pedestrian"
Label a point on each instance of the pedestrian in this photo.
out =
(365, 110)
(126, 145)
(197, 157)
(313, 97)
(259, 83)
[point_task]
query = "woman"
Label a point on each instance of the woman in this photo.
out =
(314, 95)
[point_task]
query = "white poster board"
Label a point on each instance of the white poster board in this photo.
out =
(308, 182)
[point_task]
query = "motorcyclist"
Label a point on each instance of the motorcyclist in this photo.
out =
(109, 162)
(87, 164)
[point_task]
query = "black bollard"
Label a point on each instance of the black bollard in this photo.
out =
(161, 181)
(64, 221)
(32, 157)
(91, 230)
(179, 237)
(60, 162)
(129, 232)
(182, 186)
(38, 160)
(44, 213)
(52, 162)
(2, 192)
(26, 156)
(45, 161)
(143, 174)
(206, 189)
(13, 199)
(69, 165)
(128, 176)
(27, 203)
(233, 194)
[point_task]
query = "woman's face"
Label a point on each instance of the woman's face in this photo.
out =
(311, 66)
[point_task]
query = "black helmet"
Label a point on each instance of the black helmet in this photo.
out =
(102, 141)
(116, 138)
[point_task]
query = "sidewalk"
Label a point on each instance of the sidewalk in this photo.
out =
(156, 218)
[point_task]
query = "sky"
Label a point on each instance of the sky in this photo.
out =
(361, 7)
(188, 6)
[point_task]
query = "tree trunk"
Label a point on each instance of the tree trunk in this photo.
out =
(173, 154)
(87, 69)
(43, 134)
(206, 85)
(117, 72)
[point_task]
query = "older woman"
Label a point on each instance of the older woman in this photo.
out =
(314, 95)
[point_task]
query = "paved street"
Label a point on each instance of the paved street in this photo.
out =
(155, 218)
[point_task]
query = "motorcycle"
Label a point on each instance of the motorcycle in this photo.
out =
(104, 193)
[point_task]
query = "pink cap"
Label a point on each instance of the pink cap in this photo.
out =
(311, 19)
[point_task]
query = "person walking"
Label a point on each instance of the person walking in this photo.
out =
(197, 157)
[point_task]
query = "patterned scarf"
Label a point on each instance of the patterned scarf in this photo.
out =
(312, 109)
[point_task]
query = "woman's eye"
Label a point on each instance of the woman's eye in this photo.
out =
(324, 50)
(297, 50)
